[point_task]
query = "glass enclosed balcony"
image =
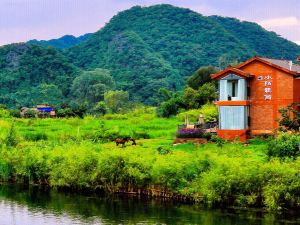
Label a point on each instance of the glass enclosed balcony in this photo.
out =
(232, 88)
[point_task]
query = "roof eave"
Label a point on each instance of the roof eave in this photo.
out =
(268, 63)
(233, 70)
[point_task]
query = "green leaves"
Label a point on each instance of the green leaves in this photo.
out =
(34, 75)
(91, 85)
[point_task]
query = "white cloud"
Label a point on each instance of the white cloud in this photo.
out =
(297, 42)
(280, 22)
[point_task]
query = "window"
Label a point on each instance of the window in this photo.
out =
(232, 88)
(233, 117)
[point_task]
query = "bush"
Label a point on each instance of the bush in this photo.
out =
(15, 113)
(104, 134)
(285, 145)
(100, 108)
(216, 139)
(115, 117)
(35, 136)
(190, 133)
(11, 139)
(140, 135)
(209, 112)
(164, 150)
(192, 114)
(168, 108)
(290, 117)
(4, 113)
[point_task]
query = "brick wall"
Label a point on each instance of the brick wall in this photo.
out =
(264, 113)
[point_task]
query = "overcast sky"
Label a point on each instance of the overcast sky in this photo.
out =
(22, 20)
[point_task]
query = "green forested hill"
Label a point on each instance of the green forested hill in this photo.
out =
(32, 74)
(159, 46)
(66, 41)
(143, 48)
(263, 42)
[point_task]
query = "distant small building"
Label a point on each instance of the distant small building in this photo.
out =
(40, 111)
(251, 94)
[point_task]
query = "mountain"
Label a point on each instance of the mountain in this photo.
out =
(255, 37)
(143, 48)
(31, 74)
(63, 42)
(159, 46)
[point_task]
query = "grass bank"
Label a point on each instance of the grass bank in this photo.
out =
(76, 153)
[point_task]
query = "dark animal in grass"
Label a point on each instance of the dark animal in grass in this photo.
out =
(133, 141)
(122, 141)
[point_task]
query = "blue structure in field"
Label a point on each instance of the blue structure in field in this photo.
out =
(45, 109)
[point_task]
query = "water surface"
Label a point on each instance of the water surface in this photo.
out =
(36, 206)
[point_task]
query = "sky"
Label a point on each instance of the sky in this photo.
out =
(23, 20)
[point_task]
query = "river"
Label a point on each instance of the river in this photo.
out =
(36, 206)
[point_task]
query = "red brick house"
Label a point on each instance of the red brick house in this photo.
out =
(251, 94)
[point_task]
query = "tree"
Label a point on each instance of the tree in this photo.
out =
(207, 93)
(91, 85)
(226, 61)
(101, 108)
(201, 76)
(116, 100)
(290, 117)
(193, 99)
(190, 98)
(168, 108)
(49, 94)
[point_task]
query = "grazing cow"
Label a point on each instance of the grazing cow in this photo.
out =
(122, 141)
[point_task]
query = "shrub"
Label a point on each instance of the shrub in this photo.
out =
(4, 113)
(31, 114)
(219, 141)
(11, 137)
(285, 145)
(192, 114)
(15, 113)
(190, 133)
(290, 117)
(140, 135)
(100, 108)
(164, 150)
(115, 117)
(168, 108)
(230, 181)
(207, 135)
(30, 136)
(209, 112)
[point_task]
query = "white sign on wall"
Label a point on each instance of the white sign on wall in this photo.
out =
(267, 80)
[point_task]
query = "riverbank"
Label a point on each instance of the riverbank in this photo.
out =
(77, 154)
(36, 205)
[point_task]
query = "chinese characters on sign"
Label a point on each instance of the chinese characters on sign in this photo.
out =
(267, 80)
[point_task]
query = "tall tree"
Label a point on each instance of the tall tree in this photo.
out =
(116, 100)
(201, 76)
(91, 85)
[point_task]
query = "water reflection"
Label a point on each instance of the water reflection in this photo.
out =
(43, 206)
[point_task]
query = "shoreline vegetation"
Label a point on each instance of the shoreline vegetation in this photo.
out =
(79, 154)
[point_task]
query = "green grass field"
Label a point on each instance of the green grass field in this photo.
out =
(77, 153)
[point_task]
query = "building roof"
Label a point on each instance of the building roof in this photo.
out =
(284, 64)
(280, 64)
(233, 70)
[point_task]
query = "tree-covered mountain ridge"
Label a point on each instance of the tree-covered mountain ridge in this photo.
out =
(161, 45)
(63, 42)
(142, 49)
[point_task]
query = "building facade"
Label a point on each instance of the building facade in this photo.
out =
(251, 94)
